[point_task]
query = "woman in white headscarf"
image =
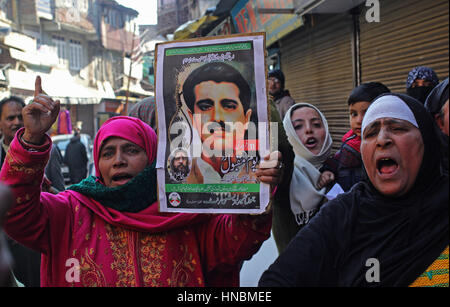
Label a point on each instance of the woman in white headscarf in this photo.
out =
(392, 227)
(307, 131)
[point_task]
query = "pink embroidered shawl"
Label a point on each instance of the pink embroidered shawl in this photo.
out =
(85, 244)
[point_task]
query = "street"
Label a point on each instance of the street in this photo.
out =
(252, 269)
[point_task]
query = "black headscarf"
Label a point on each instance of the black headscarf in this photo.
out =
(422, 73)
(434, 104)
(437, 98)
(408, 233)
(404, 234)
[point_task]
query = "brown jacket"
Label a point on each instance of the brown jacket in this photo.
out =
(283, 104)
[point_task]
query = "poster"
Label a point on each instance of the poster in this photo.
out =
(212, 124)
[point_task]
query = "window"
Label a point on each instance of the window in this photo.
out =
(105, 15)
(121, 21)
(112, 18)
(129, 25)
(83, 6)
(8, 9)
(75, 55)
(60, 44)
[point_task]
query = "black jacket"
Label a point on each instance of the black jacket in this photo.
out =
(76, 159)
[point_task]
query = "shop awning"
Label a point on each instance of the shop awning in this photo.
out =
(5, 28)
(130, 99)
(326, 7)
(247, 18)
(59, 84)
(135, 89)
(190, 28)
(149, 46)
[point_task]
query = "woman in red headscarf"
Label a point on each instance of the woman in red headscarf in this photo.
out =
(107, 231)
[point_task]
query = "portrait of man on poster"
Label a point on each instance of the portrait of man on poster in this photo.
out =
(218, 99)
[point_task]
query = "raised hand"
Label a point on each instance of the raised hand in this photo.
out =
(270, 168)
(39, 115)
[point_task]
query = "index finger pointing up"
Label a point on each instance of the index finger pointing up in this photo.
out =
(38, 87)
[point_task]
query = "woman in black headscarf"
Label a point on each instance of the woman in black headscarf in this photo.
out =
(437, 105)
(420, 82)
(392, 225)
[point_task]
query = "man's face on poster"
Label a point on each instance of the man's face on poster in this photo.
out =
(219, 116)
(180, 162)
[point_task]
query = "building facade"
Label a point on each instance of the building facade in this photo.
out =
(80, 48)
(326, 48)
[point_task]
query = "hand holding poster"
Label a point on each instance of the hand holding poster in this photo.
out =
(212, 124)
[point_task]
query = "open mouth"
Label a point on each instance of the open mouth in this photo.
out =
(311, 142)
(121, 177)
(387, 166)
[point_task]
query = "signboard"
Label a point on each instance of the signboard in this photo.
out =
(212, 124)
(224, 28)
(246, 18)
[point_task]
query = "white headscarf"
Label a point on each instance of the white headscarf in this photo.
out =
(388, 106)
(304, 195)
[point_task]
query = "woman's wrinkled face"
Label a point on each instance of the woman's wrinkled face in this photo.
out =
(120, 160)
(309, 127)
(392, 151)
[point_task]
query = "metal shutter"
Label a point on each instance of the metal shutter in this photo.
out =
(410, 33)
(317, 63)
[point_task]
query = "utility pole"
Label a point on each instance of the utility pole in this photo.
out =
(129, 71)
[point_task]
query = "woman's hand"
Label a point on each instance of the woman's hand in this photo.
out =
(270, 169)
(39, 115)
(325, 178)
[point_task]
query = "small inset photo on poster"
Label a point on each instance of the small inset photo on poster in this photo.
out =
(179, 165)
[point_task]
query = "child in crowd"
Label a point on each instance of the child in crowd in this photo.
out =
(346, 164)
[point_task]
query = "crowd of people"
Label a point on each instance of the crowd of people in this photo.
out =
(393, 169)
(387, 225)
(28, 261)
